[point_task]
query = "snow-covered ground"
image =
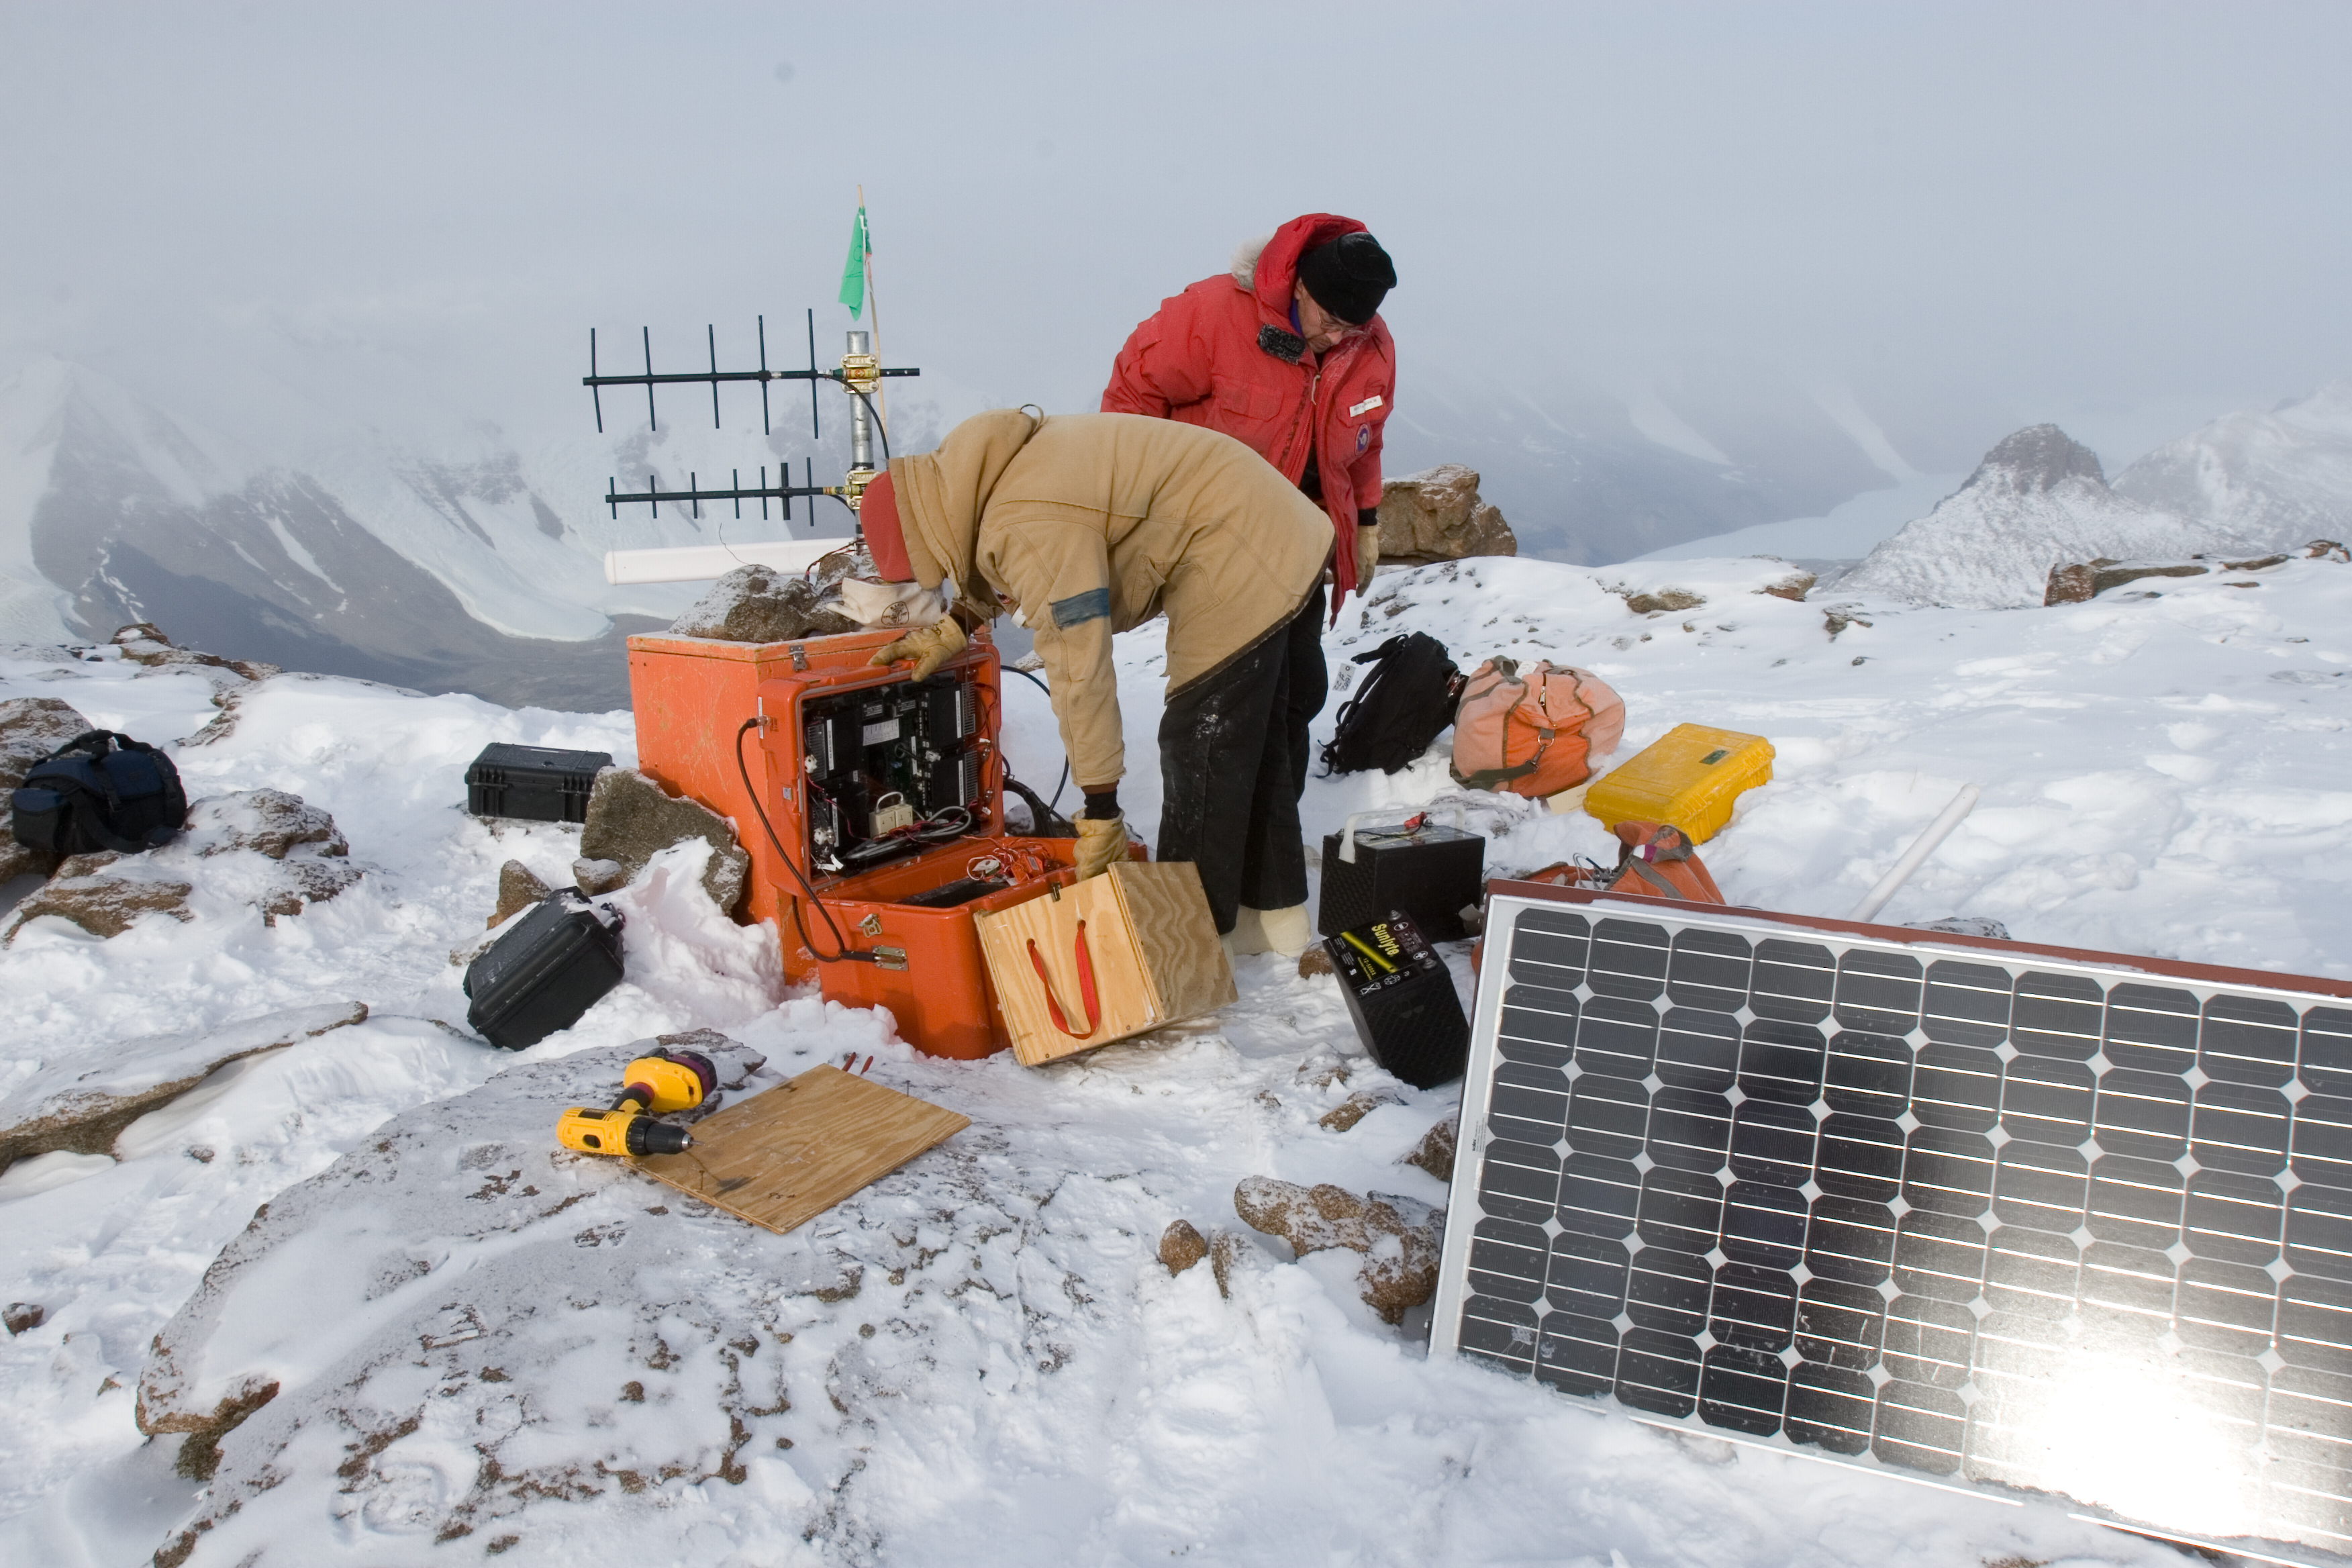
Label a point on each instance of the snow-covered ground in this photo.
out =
(981, 1358)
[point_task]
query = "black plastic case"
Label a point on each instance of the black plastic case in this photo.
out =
(538, 783)
(1402, 997)
(1430, 873)
(540, 977)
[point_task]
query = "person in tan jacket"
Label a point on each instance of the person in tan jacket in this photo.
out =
(1093, 524)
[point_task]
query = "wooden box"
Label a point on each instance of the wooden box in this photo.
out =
(1127, 951)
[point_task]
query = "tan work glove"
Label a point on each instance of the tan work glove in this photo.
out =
(1368, 554)
(930, 647)
(1101, 845)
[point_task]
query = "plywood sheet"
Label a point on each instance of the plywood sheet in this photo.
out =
(788, 1155)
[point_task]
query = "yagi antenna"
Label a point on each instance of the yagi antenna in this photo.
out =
(857, 379)
(858, 374)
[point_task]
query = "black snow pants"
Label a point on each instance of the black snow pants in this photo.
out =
(1233, 762)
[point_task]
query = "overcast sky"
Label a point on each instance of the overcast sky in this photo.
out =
(1963, 218)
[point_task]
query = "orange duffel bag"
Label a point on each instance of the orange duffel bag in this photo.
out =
(1533, 733)
(1658, 862)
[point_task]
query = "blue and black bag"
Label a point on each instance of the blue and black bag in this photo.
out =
(99, 791)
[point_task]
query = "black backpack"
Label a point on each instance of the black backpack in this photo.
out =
(99, 791)
(1406, 700)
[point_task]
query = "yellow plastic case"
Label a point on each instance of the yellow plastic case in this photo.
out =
(1689, 777)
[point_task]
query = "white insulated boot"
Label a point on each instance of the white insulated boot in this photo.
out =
(1287, 930)
(1248, 936)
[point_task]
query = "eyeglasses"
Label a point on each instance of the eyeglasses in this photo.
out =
(1334, 326)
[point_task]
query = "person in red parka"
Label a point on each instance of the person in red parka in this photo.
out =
(1287, 353)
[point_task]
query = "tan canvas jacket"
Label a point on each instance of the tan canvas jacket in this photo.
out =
(1093, 523)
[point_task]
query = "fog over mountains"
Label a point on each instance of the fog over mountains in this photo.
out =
(471, 559)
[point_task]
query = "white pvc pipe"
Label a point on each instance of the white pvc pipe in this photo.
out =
(1921, 847)
(698, 563)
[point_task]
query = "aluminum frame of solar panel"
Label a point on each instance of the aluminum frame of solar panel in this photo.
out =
(2013, 1216)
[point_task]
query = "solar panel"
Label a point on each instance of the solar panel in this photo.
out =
(1976, 1210)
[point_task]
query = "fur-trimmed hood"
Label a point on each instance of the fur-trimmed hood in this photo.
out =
(1268, 266)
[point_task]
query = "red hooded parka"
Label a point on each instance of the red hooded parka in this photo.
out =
(1223, 354)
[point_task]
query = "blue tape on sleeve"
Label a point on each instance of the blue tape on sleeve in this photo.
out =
(1079, 608)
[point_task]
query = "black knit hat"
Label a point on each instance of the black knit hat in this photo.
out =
(1349, 276)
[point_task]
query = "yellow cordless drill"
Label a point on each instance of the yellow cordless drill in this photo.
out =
(663, 1081)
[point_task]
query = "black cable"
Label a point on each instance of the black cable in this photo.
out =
(843, 952)
(1046, 823)
(877, 423)
(1054, 809)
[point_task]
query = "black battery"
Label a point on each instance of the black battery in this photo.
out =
(540, 977)
(1402, 997)
(539, 782)
(1429, 872)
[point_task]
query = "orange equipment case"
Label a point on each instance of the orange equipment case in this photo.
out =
(691, 695)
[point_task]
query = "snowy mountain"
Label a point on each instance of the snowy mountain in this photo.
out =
(2245, 484)
(469, 562)
(979, 1359)
(2038, 498)
(2268, 481)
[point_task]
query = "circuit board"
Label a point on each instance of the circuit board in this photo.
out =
(890, 770)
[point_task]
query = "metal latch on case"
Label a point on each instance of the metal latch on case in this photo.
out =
(891, 958)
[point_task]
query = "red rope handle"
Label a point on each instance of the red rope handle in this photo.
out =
(1086, 988)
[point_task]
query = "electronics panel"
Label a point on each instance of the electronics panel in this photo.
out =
(1978, 1211)
(890, 770)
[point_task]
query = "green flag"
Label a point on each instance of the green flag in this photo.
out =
(852, 271)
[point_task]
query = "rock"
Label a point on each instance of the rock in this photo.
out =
(1314, 961)
(631, 819)
(1309, 1218)
(200, 1451)
(597, 877)
(1181, 1246)
(19, 1316)
(1663, 600)
(1838, 620)
(1226, 1252)
(1397, 1236)
(143, 643)
(1436, 515)
(2075, 583)
(1354, 1109)
(304, 882)
(309, 851)
(31, 729)
(761, 605)
(518, 888)
(79, 1104)
(1434, 1152)
(89, 864)
(268, 820)
(1794, 587)
(476, 1301)
(103, 906)
(1323, 1069)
